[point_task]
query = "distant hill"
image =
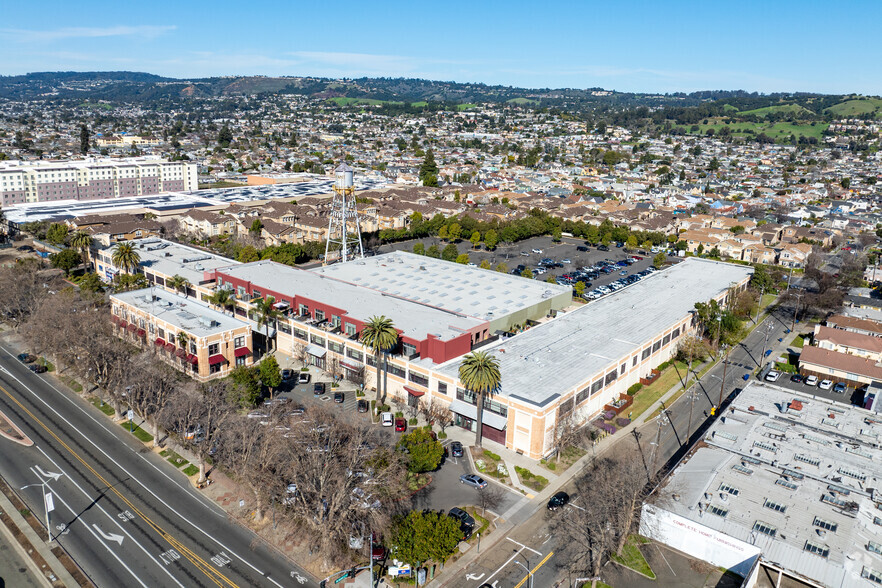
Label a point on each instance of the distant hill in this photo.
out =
(856, 107)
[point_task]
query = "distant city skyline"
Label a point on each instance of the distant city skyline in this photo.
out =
(676, 46)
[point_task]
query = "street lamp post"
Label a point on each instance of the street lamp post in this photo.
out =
(723, 380)
(795, 311)
(526, 567)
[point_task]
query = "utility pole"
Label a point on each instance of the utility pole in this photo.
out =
(795, 311)
(759, 305)
(662, 421)
(723, 381)
(636, 435)
(765, 343)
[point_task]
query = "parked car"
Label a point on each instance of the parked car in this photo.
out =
(811, 380)
(796, 378)
(825, 385)
(256, 414)
(773, 376)
(400, 425)
(559, 500)
(378, 552)
(25, 248)
(362, 405)
(466, 521)
(581, 248)
(303, 378)
(287, 375)
(456, 449)
(839, 388)
(602, 248)
(38, 368)
(386, 419)
(318, 388)
(525, 253)
(27, 357)
(535, 250)
(339, 397)
(473, 480)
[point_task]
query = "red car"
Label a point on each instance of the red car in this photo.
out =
(400, 425)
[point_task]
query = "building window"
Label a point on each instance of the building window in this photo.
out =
(581, 396)
(566, 407)
(317, 340)
(301, 334)
(623, 368)
(775, 506)
(214, 368)
(397, 371)
(765, 528)
(872, 575)
(150, 328)
(610, 377)
(213, 349)
(319, 315)
(821, 550)
(335, 347)
(303, 310)
(656, 346)
(240, 361)
(350, 329)
(666, 340)
(241, 292)
(193, 348)
(408, 349)
(442, 388)
(634, 361)
(335, 320)
(676, 333)
(826, 525)
(596, 386)
(646, 352)
(418, 379)
(160, 333)
(239, 342)
(356, 355)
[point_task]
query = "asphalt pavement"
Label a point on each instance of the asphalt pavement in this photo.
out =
(124, 515)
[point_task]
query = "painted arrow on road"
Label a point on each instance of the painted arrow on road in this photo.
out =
(52, 475)
(109, 537)
(474, 577)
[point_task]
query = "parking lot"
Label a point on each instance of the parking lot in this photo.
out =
(522, 253)
(848, 396)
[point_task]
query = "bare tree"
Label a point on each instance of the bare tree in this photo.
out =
(611, 491)
(437, 413)
(357, 377)
(151, 385)
(489, 497)
(298, 352)
(334, 368)
(566, 433)
(24, 286)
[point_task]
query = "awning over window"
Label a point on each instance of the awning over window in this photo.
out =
(159, 342)
(350, 366)
(169, 346)
(192, 359)
(216, 359)
(132, 327)
(316, 350)
(414, 391)
(180, 352)
(471, 411)
(141, 332)
(123, 324)
(243, 352)
(114, 319)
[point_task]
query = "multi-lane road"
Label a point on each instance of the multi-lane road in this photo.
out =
(533, 545)
(123, 514)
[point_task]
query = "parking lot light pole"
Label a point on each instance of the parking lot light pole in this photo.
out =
(526, 567)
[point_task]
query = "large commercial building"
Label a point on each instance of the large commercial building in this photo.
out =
(781, 479)
(92, 179)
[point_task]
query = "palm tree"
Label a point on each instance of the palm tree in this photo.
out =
(83, 241)
(125, 257)
(179, 283)
(268, 313)
(223, 298)
(479, 372)
(183, 342)
(380, 335)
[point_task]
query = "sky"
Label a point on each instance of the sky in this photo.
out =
(635, 46)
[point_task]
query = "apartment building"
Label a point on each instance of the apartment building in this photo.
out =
(183, 331)
(92, 179)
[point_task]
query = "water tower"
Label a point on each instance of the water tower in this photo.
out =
(343, 226)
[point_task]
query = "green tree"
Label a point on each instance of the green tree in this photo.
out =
(454, 231)
(256, 227)
(125, 257)
(475, 238)
(762, 279)
(433, 251)
(82, 241)
(270, 375)
(379, 335)
(425, 535)
(659, 259)
(527, 273)
(845, 183)
(419, 248)
(462, 258)
(66, 260)
(92, 283)
(737, 229)
(442, 233)
(267, 315)
(57, 233)
(479, 373)
(84, 139)
(179, 283)
(225, 137)
(502, 268)
(647, 245)
(429, 170)
(424, 453)
(485, 264)
(450, 253)
(128, 282)
(245, 391)
(579, 288)
(631, 243)
(248, 254)
(223, 298)
(491, 239)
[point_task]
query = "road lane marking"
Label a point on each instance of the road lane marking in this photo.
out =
(533, 571)
(109, 536)
(101, 508)
(522, 546)
(52, 475)
(135, 478)
(500, 568)
(169, 556)
(215, 576)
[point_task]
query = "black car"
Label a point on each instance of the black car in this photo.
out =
(38, 368)
(27, 358)
(25, 248)
(339, 397)
(456, 449)
(362, 405)
(602, 248)
(287, 375)
(559, 500)
(797, 379)
(318, 388)
(466, 521)
(581, 248)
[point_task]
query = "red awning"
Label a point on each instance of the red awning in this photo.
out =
(350, 366)
(413, 391)
(180, 352)
(216, 359)
(159, 342)
(122, 324)
(114, 319)
(243, 352)
(141, 332)
(169, 347)
(192, 359)
(132, 327)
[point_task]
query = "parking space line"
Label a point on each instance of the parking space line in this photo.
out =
(522, 546)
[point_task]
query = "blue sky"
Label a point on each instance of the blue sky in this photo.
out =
(648, 46)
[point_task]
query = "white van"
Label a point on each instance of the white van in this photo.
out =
(386, 419)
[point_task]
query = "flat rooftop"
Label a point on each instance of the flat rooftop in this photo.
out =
(169, 258)
(187, 314)
(555, 357)
(483, 294)
(807, 475)
(415, 320)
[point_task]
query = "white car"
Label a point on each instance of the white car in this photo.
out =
(387, 419)
(825, 385)
(773, 376)
(537, 251)
(811, 381)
